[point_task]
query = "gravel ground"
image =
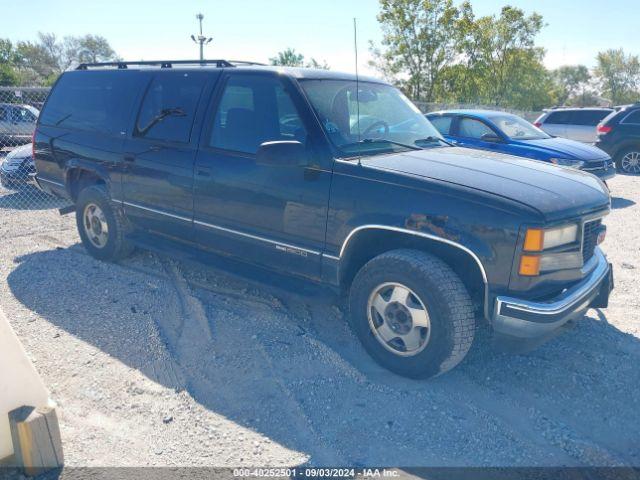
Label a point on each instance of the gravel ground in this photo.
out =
(155, 362)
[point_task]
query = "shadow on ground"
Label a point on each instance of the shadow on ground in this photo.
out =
(287, 368)
(618, 203)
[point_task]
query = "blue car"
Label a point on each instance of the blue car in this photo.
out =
(507, 133)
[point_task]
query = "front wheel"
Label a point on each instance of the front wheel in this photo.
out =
(102, 227)
(412, 313)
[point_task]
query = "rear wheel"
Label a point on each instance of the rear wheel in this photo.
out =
(102, 227)
(628, 160)
(412, 313)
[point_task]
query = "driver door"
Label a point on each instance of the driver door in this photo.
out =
(270, 215)
(469, 133)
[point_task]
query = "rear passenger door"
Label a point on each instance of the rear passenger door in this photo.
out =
(556, 123)
(271, 215)
(160, 152)
(582, 125)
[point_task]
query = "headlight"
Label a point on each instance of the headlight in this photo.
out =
(537, 240)
(567, 162)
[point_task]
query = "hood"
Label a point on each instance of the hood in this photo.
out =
(23, 152)
(555, 192)
(565, 148)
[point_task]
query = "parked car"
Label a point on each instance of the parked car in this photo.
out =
(577, 124)
(17, 123)
(419, 235)
(619, 135)
(506, 133)
(17, 168)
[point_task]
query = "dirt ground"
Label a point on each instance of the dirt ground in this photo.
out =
(158, 362)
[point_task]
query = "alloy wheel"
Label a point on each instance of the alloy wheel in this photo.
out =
(398, 319)
(631, 162)
(95, 225)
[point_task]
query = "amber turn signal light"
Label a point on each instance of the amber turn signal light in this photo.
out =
(534, 240)
(529, 265)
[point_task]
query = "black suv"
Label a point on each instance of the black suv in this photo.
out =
(619, 136)
(332, 178)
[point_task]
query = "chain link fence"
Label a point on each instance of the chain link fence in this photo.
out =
(24, 208)
(19, 110)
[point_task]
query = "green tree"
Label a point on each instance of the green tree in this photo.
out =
(8, 57)
(417, 43)
(290, 58)
(499, 51)
(86, 49)
(570, 81)
(619, 76)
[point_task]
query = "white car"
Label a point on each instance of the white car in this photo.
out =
(574, 123)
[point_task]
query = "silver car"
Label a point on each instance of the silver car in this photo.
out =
(574, 123)
(17, 123)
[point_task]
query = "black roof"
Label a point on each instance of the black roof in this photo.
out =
(294, 72)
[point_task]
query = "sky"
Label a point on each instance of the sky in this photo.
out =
(257, 29)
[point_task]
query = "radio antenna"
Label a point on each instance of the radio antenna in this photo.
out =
(355, 45)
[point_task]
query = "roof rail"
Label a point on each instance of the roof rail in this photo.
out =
(218, 63)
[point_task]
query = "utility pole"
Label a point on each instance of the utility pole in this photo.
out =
(201, 39)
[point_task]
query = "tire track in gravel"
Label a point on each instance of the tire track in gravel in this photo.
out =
(194, 342)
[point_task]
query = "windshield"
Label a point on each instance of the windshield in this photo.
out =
(517, 128)
(388, 121)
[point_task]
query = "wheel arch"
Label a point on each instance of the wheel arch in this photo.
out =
(366, 242)
(78, 177)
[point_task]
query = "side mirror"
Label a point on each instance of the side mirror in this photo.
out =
(282, 154)
(491, 137)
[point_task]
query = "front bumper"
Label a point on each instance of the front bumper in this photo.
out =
(525, 320)
(605, 171)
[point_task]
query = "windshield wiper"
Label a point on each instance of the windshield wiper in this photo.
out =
(432, 139)
(381, 140)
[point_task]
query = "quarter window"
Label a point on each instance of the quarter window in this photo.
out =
(253, 110)
(97, 101)
(169, 106)
(471, 128)
(633, 118)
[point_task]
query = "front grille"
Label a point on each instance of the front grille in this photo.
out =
(590, 239)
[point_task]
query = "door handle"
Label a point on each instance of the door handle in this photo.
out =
(128, 157)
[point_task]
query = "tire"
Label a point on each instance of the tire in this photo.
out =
(628, 160)
(110, 243)
(432, 286)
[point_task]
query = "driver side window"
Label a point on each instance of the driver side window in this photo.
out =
(472, 128)
(255, 109)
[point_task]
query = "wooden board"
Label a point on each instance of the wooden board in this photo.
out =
(36, 439)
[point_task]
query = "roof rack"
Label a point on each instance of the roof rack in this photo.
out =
(166, 63)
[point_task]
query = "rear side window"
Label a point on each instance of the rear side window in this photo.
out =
(558, 118)
(589, 118)
(169, 106)
(92, 101)
(442, 123)
(633, 118)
